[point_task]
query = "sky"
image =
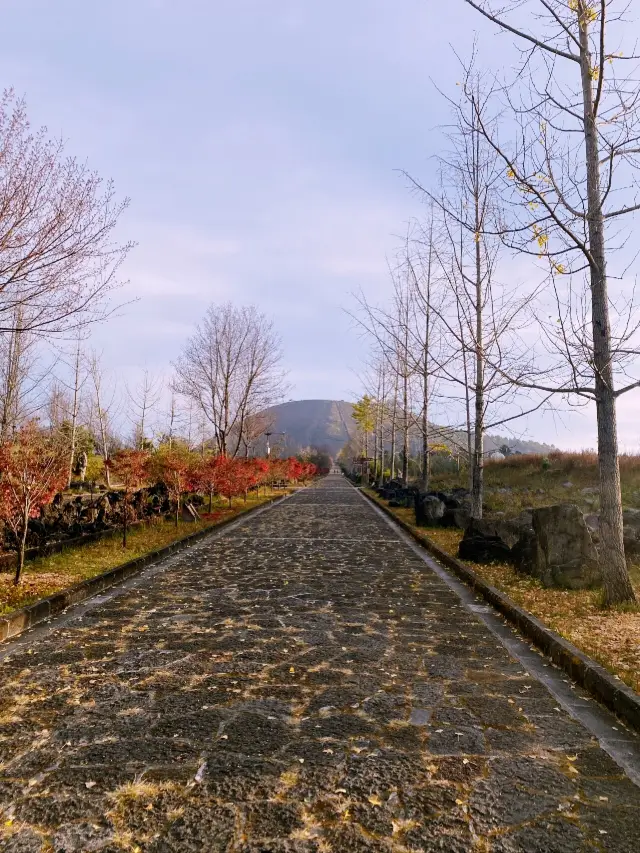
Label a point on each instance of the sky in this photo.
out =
(262, 145)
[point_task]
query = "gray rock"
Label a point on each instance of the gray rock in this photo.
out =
(560, 553)
(590, 490)
(592, 520)
(456, 517)
(567, 485)
(631, 517)
(429, 510)
(491, 539)
(23, 841)
(631, 532)
(402, 498)
(631, 539)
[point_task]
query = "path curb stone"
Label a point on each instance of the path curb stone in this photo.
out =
(15, 623)
(621, 699)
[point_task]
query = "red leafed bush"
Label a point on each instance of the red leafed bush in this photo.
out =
(261, 470)
(177, 469)
(206, 475)
(131, 468)
(33, 468)
(230, 481)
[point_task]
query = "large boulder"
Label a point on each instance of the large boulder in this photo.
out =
(558, 550)
(429, 510)
(403, 498)
(631, 532)
(488, 540)
(455, 498)
(456, 517)
(444, 509)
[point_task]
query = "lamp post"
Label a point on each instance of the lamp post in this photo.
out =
(268, 435)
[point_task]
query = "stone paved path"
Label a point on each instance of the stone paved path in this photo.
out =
(302, 684)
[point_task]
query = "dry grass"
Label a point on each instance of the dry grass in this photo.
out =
(535, 480)
(47, 575)
(609, 636)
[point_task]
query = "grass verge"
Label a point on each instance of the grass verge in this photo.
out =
(48, 575)
(610, 637)
(532, 480)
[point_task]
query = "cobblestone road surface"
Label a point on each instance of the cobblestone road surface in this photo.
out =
(303, 683)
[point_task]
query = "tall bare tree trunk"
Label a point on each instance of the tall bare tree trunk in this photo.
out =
(426, 375)
(617, 586)
(22, 545)
(75, 404)
(477, 490)
(405, 432)
(380, 421)
(12, 379)
(365, 467)
(394, 416)
(425, 439)
(375, 434)
(124, 520)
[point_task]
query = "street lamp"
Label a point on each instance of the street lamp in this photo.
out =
(268, 435)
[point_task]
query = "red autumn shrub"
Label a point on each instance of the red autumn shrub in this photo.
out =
(33, 468)
(131, 468)
(176, 468)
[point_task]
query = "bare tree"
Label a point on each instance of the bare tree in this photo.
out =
(571, 170)
(23, 376)
(256, 424)
(58, 405)
(481, 316)
(58, 257)
(426, 291)
(231, 368)
(389, 329)
(103, 408)
(143, 400)
(16, 362)
(69, 400)
(172, 417)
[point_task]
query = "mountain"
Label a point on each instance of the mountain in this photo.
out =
(323, 424)
(328, 425)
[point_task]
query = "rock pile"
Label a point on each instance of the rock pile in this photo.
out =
(551, 543)
(556, 544)
(443, 509)
(65, 519)
(489, 539)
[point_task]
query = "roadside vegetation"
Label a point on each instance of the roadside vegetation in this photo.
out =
(532, 480)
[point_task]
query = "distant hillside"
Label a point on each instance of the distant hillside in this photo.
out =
(324, 424)
(458, 438)
(328, 425)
